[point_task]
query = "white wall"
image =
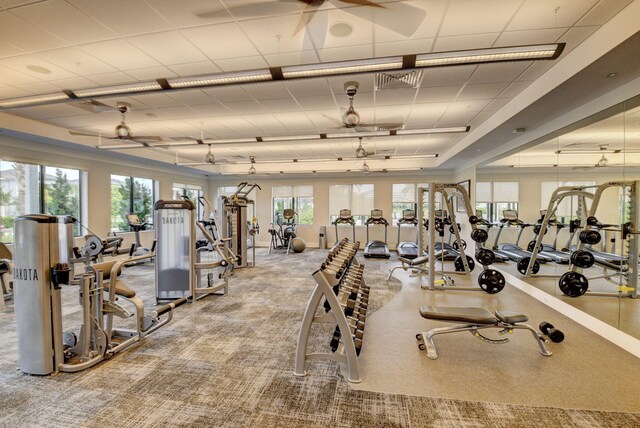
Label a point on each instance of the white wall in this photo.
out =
(382, 199)
(98, 167)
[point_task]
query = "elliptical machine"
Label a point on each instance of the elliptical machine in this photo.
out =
(283, 236)
(136, 226)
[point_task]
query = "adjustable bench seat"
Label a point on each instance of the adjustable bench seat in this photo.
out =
(473, 320)
(416, 264)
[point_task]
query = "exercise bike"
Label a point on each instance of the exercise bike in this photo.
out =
(137, 250)
(283, 236)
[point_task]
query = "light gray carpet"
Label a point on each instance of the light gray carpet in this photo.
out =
(228, 361)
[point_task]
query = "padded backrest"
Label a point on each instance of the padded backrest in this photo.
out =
(4, 252)
(105, 267)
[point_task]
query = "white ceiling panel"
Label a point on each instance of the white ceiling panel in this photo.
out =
(536, 70)
(209, 39)
(361, 28)
(158, 100)
(65, 21)
(246, 63)
(168, 47)
(238, 125)
(309, 88)
(280, 105)
(108, 79)
(602, 12)
(229, 94)
(215, 109)
(74, 82)
(576, 35)
(530, 37)
(482, 91)
(323, 102)
(292, 58)
(245, 107)
(13, 92)
(264, 33)
(447, 76)
(120, 55)
(6, 50)
(403, 14)
(150, 73)
(194, 68)
(9, 76)
(23, 64)
(457, 43)
(40, 88)
(346, 52)
(438, 93)
(76, 61)
(394, 96)
(25, 36)
(457, 118)
(549, 14)
(192, 97)
(501, 72)
(413, 46)
(125, 17)
(268, 90)
(184, 13)
(465, 17)
(514, 89)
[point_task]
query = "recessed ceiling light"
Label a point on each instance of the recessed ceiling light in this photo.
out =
(152, 115)
(519, 130)
(610, 75)
(38, 69)
(340, 29)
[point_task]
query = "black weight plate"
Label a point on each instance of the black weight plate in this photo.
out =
(573, 284)
(523, 263)
(582, 259)
(531, 245)
(491, 281)
(480, 235)
(473, 219)
(459, 266)
(485, 256)
(590, 237)
(457, 247)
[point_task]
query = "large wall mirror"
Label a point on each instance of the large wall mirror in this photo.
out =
(557, 183)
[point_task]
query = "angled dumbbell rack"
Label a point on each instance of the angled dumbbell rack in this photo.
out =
(327, 296)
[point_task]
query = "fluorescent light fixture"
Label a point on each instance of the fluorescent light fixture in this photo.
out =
(292, 138)
(450, 130)
(359, 134)
(123, 89)
(222, 79)
(515, 53)
(41, 99)
(342, 67)
(354, 170)
(119, 146)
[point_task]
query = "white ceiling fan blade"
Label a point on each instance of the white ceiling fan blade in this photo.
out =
(315, 34)
(306, 16)
(398, 17)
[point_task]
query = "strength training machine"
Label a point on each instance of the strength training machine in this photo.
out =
(233, 222)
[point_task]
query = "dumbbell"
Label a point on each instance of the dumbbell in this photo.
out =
(551, 332)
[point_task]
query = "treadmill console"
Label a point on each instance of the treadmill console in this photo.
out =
(408, 214)
(510, 215)
(376, 214)
(133, 219)
(345, 214)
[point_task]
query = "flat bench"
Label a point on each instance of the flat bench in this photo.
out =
(474, 320)
(416, 264)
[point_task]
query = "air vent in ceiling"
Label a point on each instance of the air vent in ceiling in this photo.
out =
(410, 79)
(389, 127)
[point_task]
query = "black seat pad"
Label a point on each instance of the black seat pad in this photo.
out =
(456, 314)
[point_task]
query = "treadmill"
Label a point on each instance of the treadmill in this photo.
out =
(551, 251)
(513, 251)
(407, 249)
(345, 218)
(499, 258)
(377, 249)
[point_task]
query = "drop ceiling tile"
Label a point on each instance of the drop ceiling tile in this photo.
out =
(25, 36)
(536, 70)
(386, 114)
(125, 17)
(429, 112)
(73, 83)
(247, 63)
(468, 106)
(107, 79)
(531, 15)
(575, 36)
(245, 107)
(22, 64)
(423, 26)
(151, 73)
(168, 47)
(229, 94)
(466, 17)
(447, 76)
(322, 102)
(176, 112)
(6, 50)
(263, 34)
(194, 68)
(346, 53)
(267, 90)
(292, 58)
(40, 88)
(403, 96)
(359, 19)
(120, 54)
(76, 61)
(207, 39)
(602, 12)
(458, 118)
(514, 89)
(158, 100)
(280, 105)
(238, 125)
(499, 72)
(188, 13)
(413, 46)
(65, 21)
(192, 97)
(530, 37)
(11, 77)
(296, 122)
(458, 43)
(309, 87)
(482, 91)
(438, 93)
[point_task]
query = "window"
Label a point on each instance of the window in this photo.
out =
(568, 206)
(192, 192)
(297, 198)
(22, 192)
(404, 198)
(492, 198)
(356, 197)
(226, 190)
(131, 195)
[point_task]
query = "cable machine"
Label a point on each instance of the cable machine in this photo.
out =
(233, 222)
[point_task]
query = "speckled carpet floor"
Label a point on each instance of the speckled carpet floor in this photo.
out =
(228, 361)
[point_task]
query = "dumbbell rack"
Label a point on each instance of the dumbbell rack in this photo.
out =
(341, 292)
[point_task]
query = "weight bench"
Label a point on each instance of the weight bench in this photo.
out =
(416, 265)
(473, 320)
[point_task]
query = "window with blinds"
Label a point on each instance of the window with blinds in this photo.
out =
(494, 197)
(568, 207)
(356, 197)
(297, 198)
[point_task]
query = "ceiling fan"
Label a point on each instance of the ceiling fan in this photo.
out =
(399, 17)
(360, 151)
(210, 159)
(351, 118)
(122, 131)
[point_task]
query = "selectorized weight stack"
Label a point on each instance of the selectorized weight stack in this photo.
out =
(233, 221)
(178, 267)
